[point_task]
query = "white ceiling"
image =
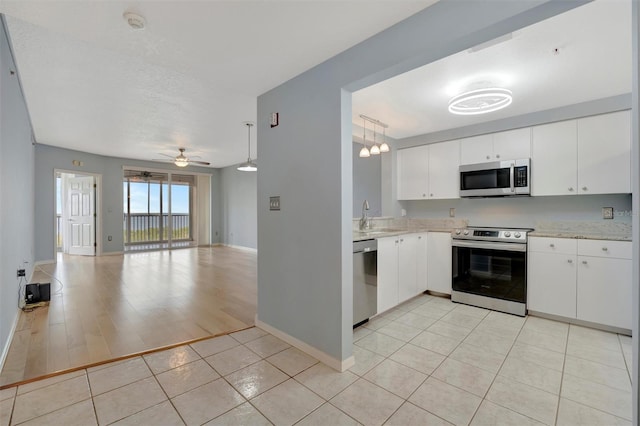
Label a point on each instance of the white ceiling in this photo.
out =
(189, 79)
(594, 61)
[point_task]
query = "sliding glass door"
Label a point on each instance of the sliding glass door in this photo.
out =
(158, 209)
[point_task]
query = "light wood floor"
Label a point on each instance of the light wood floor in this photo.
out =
(112, 306)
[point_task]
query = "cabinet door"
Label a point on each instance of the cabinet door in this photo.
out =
(604, 291)
(604, 154)
(554, 165)
(387, 273)
(421, 263)
(444, 177)
(551, 284)
(512, 144)
(413, 173)
(439, 262)
(407, 267)
(478, 149)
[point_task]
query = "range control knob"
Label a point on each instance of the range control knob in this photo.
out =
(466, 232)
(507, 234)
(517, 235)
(458, 232)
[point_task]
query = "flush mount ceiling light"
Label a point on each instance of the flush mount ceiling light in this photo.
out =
(249, 166)
(135, 21)
(480, 101)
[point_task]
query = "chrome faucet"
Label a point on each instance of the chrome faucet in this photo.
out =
(365, 222)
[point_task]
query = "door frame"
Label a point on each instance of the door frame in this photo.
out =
(98, 208)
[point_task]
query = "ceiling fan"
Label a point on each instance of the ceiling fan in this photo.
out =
(181, 160)
(144, 176)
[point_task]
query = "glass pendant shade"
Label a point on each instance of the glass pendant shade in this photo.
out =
(249, 166)
(181, 162)
(364, 152)
(384, 147)
(375, 150)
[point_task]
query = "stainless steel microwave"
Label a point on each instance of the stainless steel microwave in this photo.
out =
(496, 179)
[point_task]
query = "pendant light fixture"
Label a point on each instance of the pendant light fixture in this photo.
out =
(249, 166)
(364, 152)
(384, 147)
(374, 149)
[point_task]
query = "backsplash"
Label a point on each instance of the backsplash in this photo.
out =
(413, 223)
(610, 228)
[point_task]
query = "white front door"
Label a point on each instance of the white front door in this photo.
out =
(81, 217)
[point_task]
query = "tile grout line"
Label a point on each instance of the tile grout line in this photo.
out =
(161, 388)
(564, 363)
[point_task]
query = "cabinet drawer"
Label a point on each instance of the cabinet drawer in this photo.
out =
(553, 245)
(604, 248)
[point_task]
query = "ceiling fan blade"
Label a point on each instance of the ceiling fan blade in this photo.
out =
(166, 155)
(204, 163)
(163, 160)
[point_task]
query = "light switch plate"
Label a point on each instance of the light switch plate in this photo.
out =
(607, 212)
(274, 203)
(452, 212)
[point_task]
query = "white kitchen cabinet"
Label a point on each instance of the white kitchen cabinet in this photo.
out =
(509, 145)
(444, 178)
(551, 280)
(554, 165)
(439, 262)
(585, 279)
(590, 155)
(407, 267)
(387, 273)
(413, 173)
(604, 153)
(429, 171)
(421, 261)
(604, 282)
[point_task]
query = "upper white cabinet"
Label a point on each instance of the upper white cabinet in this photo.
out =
(554, 166)
(429, 171)
(589, 155)
(413, 173)
(444, 178)
(508, 145)
(604, 153)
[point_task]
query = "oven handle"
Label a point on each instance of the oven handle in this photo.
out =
(512, 177)
(490, 245)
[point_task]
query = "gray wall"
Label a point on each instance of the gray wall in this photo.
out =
(16, 189)
(48, 158)
(305, 265)
(239, 204)
(367, 182)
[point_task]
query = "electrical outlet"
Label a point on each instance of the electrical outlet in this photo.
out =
(607, 212)
(452, 212)
(21, 273)
(274, 203)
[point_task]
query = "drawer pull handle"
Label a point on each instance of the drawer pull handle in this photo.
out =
(569, 261)
(552, 245)
(604, 249)
(584, 262)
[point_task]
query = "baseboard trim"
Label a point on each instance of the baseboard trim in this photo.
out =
(44, 262)
(112, 253)
(7, 344)
(583, 323)
(250, 249)
(336, 364)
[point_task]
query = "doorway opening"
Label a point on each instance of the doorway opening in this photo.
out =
(159, 210)
(76, 219)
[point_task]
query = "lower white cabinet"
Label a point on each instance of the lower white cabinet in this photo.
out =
(401, 270)
(585, 279)
(439, 262)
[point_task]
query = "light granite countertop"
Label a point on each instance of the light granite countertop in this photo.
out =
(390, 227)
(611, 231)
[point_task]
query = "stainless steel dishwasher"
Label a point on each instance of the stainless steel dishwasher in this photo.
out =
(365, 280)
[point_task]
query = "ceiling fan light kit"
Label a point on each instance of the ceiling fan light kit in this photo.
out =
(480, 101)
(249, 166)
(181, 160)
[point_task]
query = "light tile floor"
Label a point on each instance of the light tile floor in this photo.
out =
(429, 361)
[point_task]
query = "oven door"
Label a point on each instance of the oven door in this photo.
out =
(490, 269)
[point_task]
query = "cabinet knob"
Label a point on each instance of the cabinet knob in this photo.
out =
(419, 237)
(584, 188)
(488, 157)
(584, 262)
(424, 195)
(431, 195)
(569, 261)
(401, 240)
(604, 249)
(552, 245)
(571, 189)
(497, 155)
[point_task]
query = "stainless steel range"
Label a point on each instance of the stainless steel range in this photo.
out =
(490, 268)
